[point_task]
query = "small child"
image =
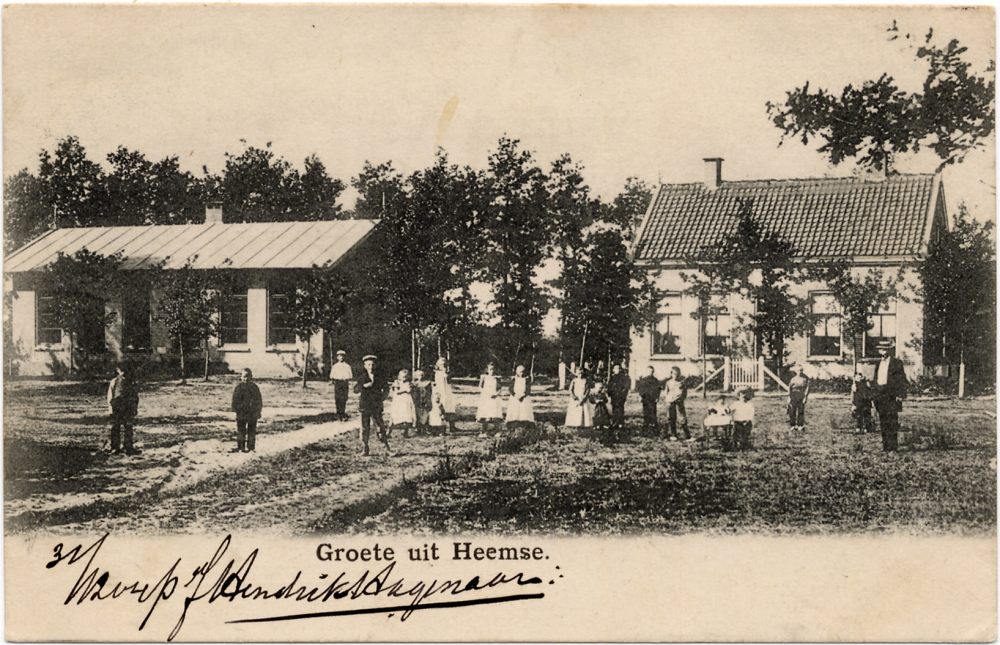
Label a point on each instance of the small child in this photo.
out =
(420, 390)
(490, 412)
(578, 412)
(861, 404)
(719, 421)
(520, 411)
(602, 417)
(402, 412)
(247, 405)
(743, 413)
(798, 394)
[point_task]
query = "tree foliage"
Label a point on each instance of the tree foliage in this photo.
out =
(319, 304)
(26, 208)
(958, 289)
(761, 267)
(954, 113)
(860, 294)
(80, 284)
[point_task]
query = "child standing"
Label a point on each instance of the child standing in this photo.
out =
(743, 412)
(420, 390)
(520, 411)
(649, 388)
(675, 394)
(490, 412)
(798, 394)
(444, 398)
(602, 417)
(247, 405)
(578, 414)
(861, 404)
(402, 412)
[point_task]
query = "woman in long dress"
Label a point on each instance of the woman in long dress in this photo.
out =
(520, 411)
(490, 411)
(443, 398)
(402, 412)
(578, 412)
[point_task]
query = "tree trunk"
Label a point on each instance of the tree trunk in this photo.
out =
(583, 342)
(413, 350)
(180, 343)
(206, 359)
(72, 366)
(305, 361)
(704, 357)
(961, 374)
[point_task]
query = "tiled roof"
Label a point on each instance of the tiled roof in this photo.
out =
(819, 217)
(277, 245)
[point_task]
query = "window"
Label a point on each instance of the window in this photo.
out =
(135, 321)
(825, 337)
(666, 332)
(234, 319)
(280, 317)
(717, 326)
(883, 328)
(47, 331)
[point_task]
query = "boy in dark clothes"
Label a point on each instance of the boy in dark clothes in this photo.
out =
(247, 404)
(123, 399)
(649, 388)
(618, 387)
(861, 404)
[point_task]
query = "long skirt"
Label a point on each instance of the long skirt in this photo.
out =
(401, 410)
(579, 415)
(520, 410)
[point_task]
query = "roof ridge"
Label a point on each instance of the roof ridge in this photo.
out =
(803, 180)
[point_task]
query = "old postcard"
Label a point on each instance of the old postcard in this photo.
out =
(499, 323)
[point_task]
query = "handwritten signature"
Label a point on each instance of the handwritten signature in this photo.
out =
(213, 581)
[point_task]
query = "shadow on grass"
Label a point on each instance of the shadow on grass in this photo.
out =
(33, 468)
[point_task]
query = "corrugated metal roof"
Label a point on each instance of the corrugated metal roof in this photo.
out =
(275, 245)
(820, 217)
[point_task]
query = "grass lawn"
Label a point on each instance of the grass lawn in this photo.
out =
(307, 476)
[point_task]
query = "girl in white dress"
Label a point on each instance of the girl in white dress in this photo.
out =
(490, 410)
(520, 412)
(402, 411)
(578, 412)
(442, 398)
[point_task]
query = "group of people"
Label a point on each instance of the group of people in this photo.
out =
(420, 405)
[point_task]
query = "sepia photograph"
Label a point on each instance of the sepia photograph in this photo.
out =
(567, 322)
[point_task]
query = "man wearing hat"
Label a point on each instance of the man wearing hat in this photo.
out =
(341, 374)
(123, 402)
(888, 392)
(372, 388)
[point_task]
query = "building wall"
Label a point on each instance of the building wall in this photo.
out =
(909, 332)
(275, 361)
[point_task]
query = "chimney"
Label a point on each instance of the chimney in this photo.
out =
(713, 172)
(213, 213)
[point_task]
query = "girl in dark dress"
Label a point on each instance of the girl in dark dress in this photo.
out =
(602, 417)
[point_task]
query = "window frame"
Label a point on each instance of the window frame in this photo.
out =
(725, 310)
(285, 294)
(41, 296)
(667, 316)
(225, 326)
(825, 317)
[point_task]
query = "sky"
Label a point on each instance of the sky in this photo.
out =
(626, 91)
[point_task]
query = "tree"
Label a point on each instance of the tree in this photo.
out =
(606, 295)
(958, 288)
(761, 267)
(73, 184)
(27, 211)
(629, 207)
(860, 296)
(953, 114)
(189, 306)
(516, 235)
(319, 303)
(141, 193)
(381, 190)
(319, 192)
(80, 285)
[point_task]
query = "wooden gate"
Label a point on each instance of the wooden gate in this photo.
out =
(744, 372)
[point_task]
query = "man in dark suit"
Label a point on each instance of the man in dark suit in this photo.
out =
(618, 388)
(888, 392)
(372, 388)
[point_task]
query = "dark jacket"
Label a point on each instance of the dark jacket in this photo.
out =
(649, 387)
(247, 402)
(123, 397)
(618, 386)
(895, 385)
(371, 397)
